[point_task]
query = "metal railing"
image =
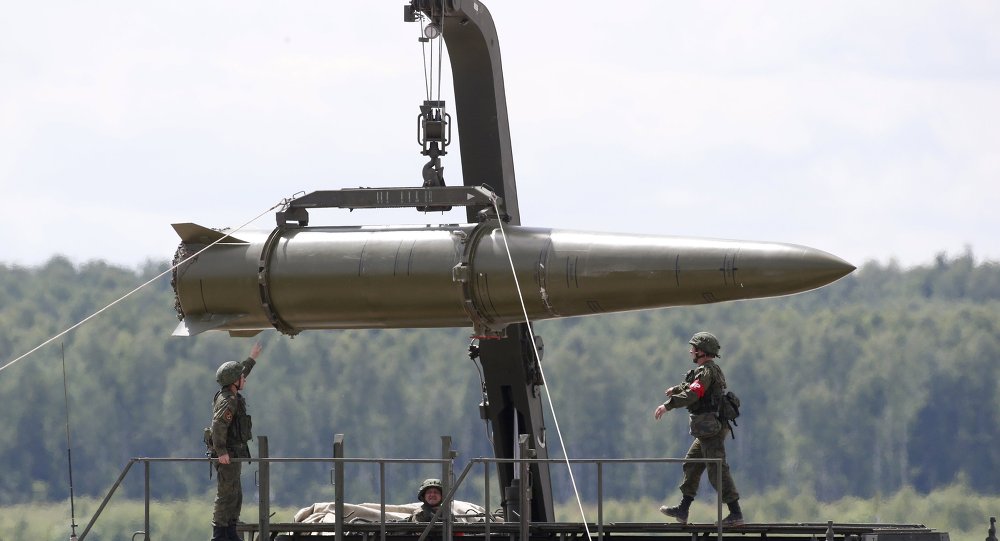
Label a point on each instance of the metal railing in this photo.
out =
(447, 463)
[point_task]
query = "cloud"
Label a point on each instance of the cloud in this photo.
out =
(817, 123)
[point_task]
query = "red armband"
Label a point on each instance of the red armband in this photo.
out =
(697, 388)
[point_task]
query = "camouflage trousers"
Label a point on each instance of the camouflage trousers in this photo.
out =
(714, 447)
(229, 498)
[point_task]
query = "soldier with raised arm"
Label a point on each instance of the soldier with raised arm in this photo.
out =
(230, 433)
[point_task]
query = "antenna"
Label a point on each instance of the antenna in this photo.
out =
(69, 448)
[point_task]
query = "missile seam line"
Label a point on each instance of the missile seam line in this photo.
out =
(361, 260)
(409, 259)
(201, 293)
(482, 297)
(488, 310)
(543, 271)
(395, 259)
(489, 297)
(543, 282)
(264, 284)
(677, 270)
(736, 282)
(470, 286)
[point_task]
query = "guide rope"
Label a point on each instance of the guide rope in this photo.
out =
(150, 281)
(548, 395)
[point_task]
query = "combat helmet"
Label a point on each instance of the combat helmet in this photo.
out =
(429, 483)
(228, 373)
(706, 342)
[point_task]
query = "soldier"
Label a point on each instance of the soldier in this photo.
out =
(700, 394)
(231, 430)
(431, 494)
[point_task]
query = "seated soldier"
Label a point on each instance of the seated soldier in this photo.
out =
(431, 495)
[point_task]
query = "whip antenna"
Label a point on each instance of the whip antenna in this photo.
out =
(69, 448)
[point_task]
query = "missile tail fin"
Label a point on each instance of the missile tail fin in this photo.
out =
(198, 234)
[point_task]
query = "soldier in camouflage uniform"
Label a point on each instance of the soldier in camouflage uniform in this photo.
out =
(430, 493)
(230, 432)
(700, 393)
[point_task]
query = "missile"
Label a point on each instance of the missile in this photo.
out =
(359, 277)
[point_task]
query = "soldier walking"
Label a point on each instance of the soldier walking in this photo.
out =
(700, 393)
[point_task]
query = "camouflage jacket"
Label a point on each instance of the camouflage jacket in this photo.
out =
(700, 386)
(231, 425)
(424, 514)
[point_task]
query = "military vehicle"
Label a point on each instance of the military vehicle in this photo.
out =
(492, 274)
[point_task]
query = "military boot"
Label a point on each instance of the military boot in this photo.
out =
(680, 511)
(220, 533)
(735, 517)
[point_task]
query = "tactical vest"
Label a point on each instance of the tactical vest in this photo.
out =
(240, 430)
(709, 402)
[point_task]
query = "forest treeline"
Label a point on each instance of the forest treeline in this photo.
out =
(883, 380)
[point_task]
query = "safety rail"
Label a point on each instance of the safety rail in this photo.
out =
(524, 524)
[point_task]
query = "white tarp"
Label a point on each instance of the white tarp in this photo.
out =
(324, 512)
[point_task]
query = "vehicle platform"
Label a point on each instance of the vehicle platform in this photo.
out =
(651, 531)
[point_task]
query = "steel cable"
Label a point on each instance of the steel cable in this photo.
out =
(150, 281)
(548, 395)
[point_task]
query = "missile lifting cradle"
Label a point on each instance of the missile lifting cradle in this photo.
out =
(301, 277)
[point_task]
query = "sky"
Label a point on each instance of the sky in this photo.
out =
(870, 130)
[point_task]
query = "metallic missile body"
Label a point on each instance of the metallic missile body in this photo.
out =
(296, 279)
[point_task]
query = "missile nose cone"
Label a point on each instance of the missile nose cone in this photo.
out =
(801, 268)
(826, 268)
